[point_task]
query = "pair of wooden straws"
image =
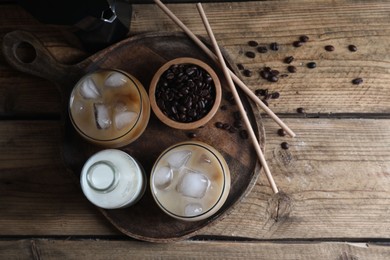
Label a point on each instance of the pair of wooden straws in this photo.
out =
(230, 76)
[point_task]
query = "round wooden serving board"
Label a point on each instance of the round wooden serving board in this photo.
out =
(141, 56)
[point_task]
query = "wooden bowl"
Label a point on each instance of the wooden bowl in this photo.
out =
(176, 123)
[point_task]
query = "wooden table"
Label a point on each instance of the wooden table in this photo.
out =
(334, 178)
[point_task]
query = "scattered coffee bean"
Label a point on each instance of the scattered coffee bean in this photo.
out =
(262, 49)
(261, 92)
(292, 69)
(352, 48)
(264, 74)
(230, 98)
(288, 59)
(192, 135)
(311, 65)
(329, 48)
(274, 46)
(284, 145)
(224, 107)
(244, 134)
(226, 126)
(250, 54)
(298, 43)
(185, 93)
(240, 66)
(247, 73)
(275, 72)
(304, 38)
(281, 132)
(300, 110)
(253, 43)
(218, 124)
(357, 81)
(275, 95)
(273, 78)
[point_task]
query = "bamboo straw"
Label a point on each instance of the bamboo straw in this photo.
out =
(237, 98)
(236, 79)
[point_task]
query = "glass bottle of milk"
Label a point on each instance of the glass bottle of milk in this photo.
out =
(112, 179)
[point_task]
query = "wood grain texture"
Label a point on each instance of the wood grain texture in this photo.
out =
(335, 185)
(103, 249)
(326, 89)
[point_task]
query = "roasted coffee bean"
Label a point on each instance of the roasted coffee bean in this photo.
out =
(292, 69)
(304, 38)
(240, 66)
(300, 110)
(262, 49)
(298, 43)
(247, 73)
(275, 95)
(192, 135)
(311, 65)
(273, 78)
(218, 124)
(274, 46)
(261, 92)
(226, 126)
(329, 48)
(244, 134)
(352, 48)
(253, 43)
(275, 72)
(284, 145)
(224, 107)
(264, 74)
(281, 132)
(250, 54)
(185, 93)
(267, 69)
(357, 81)
(288, 59)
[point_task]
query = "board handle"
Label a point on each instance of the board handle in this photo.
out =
(26, 53)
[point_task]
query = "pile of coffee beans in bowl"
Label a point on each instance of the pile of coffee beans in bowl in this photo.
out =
(185, 93)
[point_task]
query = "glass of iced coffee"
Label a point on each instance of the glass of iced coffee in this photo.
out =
(109, 108)
(190, 181)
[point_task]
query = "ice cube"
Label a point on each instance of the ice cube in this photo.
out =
(89, 90)
(115, 80)
(163, 177)
(102, 116)
(193, 209)
(204, 159)
(123, 119)
(193, 184)
(179, 158)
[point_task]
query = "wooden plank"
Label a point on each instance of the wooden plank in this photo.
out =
(37, 194)
(335, 178)
(326, 89)
(103, 249)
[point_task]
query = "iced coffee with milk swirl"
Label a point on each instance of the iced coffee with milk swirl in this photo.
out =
(109, 108)
(190, 181)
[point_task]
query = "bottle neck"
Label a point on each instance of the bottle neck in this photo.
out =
(102, 176)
